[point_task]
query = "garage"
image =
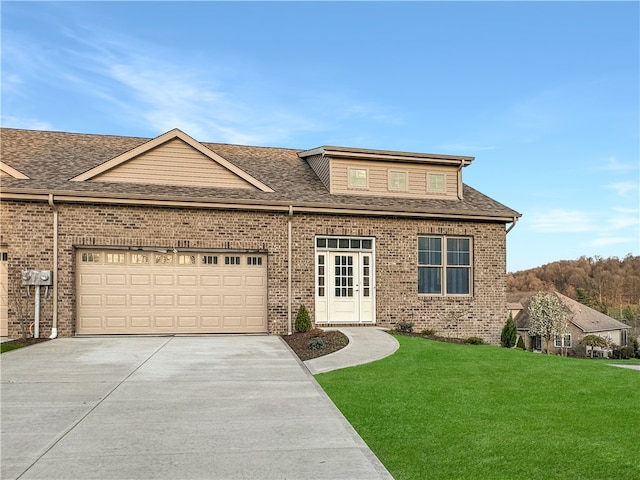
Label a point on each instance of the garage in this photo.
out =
(168, 291)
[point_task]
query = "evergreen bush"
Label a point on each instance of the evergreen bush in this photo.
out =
(509, 334)
(521, 344)
(303, 320)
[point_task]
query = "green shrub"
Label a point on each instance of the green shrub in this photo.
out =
(303, 321)
(474, 341)
(520, 343)
(509, 334)
(429, 332)
(405, 327)
(624, 353)
(316, 343)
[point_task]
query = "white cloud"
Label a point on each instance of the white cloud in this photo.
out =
(613, 165)
(607, 241)
(562, 221)
(26, 123)
(623, 188)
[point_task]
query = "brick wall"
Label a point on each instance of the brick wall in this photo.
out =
(27, 231)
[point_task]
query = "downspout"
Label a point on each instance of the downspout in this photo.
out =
(515, 219)
(289, 269)
(54, 273)
(460, 196)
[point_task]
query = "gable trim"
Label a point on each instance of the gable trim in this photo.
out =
(165, 137)
(13, 172)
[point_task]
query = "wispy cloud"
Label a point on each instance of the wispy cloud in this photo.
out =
(562, 221)
(606, 241)
(612, 164)
(623, 188)
(26, 123)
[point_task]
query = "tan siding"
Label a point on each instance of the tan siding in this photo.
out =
(174, 163)
(379, 181)
(320, 165)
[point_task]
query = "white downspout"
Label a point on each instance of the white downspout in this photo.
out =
(515, 219)
(460, 194)
(289, 269)
(54, 273)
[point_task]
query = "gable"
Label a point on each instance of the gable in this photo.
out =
(173, 159)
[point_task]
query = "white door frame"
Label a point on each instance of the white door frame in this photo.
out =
(345, 291)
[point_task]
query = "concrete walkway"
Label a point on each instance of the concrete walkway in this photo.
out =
(223, 407)
(366, 344)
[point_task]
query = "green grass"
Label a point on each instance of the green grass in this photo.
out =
(437, 410)
(8, 346)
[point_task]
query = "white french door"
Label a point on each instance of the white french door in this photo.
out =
(349, 293)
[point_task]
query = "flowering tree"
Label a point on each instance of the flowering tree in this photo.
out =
(547, 316)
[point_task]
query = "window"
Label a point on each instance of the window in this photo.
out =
(557, 340)
(90, 257)
(231, 260)
(398, 180)
(351, 243)
(344, 275)
(4, 256)
(436, 183)
(164, 259)
(115, 257)
(358, 178)
(254, 260)
(444, 265)
(186, 259)
(139, 258)
(321, 275)
(624, 336)
(209, 260)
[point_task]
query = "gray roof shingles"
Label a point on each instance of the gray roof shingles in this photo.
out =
(51, 159)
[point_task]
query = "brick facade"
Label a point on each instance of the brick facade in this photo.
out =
(27, 231)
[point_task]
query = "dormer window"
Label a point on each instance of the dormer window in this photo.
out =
(358, 178)
(436, 183)
(398, 180)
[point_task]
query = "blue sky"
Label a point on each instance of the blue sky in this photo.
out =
(545, 95)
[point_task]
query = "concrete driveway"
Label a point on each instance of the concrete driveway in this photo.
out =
(223, 407)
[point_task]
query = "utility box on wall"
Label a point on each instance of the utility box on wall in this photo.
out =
(37, 277)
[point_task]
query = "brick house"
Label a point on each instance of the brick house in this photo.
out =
(170, 235)
(581, 321)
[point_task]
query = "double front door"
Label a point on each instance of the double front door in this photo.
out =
(345, 287)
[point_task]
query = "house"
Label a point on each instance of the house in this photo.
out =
(582, 321)
(170, 235)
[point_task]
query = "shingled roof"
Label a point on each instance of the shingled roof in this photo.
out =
(585, 318)
(51, 159)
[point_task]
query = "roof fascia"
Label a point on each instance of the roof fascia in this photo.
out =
(92, 197)
(387, 155)
(165, 137)
(13, 172)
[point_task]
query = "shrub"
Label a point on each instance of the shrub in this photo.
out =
(509, 334)
(520, 343)
(624, 353)
(429, 332)
(474, 341)
(405, 327)
(303, 321)
(316, 343)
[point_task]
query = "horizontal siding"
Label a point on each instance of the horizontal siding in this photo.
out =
(379, 180)
(174, 163)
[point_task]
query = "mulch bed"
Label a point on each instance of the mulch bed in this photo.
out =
(299, 343)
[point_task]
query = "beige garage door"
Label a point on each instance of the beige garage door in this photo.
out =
(182, 292)
(4, 279)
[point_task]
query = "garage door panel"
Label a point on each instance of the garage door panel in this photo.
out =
(137, 279)
(115, 279)
(194, 296)
(163, 280)
(140, 322)
(140, 300)
(116, 322)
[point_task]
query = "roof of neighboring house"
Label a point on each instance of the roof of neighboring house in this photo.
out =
(51, 159)
(585, 318)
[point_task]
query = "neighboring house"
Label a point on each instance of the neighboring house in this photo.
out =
(171, 235)
(582, 321)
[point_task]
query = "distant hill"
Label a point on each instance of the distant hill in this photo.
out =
(609, 285)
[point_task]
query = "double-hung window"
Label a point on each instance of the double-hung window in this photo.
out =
(444, 265)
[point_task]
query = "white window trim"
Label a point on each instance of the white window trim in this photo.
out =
(443, 266)
(406, 181)
(557, 341)
(358, 187)
(444, 183)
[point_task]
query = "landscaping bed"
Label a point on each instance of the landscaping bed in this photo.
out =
(307, 347)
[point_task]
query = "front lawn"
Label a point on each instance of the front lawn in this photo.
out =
(439, 410)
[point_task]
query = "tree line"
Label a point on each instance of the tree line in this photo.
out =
(609, 285)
